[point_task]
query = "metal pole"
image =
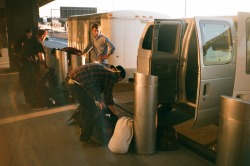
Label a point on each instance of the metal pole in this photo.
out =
(185, 8)
(51, 19)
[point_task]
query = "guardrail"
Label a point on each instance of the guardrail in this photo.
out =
(63, 35)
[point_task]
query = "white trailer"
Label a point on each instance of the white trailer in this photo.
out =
(123, 28)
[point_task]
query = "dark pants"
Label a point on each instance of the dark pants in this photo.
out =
(87, 108)
(27, 78)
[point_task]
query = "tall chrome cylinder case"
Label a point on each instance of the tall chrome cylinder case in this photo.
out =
(234, 133)
(145, 115)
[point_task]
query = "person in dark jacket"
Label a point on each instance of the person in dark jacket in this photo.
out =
(32, 56)
(19, 43)
(86, 84)
(17, 46)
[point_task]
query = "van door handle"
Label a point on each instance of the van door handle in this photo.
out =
(206, 91)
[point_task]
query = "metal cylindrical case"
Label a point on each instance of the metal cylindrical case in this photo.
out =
(145, 115)
(61, 68)
(65, 66)
(234, 133)
(50, 59)
(77, 61)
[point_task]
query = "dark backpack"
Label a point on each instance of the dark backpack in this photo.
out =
(166, 134)
(104, 126)
(166, 138)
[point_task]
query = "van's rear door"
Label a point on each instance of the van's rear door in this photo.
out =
(216, 65)
(242, 75)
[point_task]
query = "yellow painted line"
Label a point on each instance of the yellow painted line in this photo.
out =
(38, 114)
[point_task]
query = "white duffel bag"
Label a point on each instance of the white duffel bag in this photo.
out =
(122, 136)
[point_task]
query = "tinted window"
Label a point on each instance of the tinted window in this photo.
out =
(167, 38)
(147, 41)
(217, 42)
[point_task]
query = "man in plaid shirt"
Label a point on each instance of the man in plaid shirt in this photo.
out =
(86, 84)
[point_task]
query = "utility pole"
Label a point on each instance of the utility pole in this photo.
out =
(185, 8)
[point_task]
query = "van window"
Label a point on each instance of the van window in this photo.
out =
(217, 42)
(147, 41)
(167, 38)
(248, 46)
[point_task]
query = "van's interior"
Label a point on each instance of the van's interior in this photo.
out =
(192, 70)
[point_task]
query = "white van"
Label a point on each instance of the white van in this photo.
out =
(242, 76)
(195, 61)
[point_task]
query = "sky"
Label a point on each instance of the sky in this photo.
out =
(172, 8)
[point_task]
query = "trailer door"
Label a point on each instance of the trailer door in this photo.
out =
(242, 76)
(216, 66)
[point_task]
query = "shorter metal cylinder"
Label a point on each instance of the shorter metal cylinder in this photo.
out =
(234, 133)
(77, 61)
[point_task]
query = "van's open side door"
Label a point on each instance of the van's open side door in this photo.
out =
(242, 75)
(216, 66)
(166, 44)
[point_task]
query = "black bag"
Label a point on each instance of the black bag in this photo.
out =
(166, 138)
(104, 126)
(166, 134)
(49, 93)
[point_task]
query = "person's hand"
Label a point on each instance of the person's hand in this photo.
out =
(102, 57)
(105, 56)
(102, 105)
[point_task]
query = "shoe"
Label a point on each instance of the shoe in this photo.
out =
(90, 143)
(85, 135)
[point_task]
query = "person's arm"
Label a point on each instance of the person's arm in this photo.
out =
(111, 49)
(41, 57)
(88, 48)
(111, 107)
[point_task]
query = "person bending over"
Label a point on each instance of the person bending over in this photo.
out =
(86, 84)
